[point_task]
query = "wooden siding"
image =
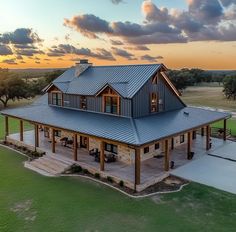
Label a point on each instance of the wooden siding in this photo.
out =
(141, 101)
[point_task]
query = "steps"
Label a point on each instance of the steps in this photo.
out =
(49, 165)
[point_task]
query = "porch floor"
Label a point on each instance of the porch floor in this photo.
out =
(151, 169)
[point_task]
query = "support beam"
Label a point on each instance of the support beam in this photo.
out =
(225, 129)
(6, 127)
(75, 147)
(53, 141)
(167, 155)
(202, 131)
(102, 156)
(36, 135)
(208, 138)
(189, 144)
(137, 166)
(21, 130)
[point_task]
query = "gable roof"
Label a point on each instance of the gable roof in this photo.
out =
(127, 80)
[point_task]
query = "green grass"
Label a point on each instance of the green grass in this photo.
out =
(31, 202)
(231, 124)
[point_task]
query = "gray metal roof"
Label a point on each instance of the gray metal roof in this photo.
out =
(137, 131)
(125, 79)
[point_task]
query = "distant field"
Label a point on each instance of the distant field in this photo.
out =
(208, 96)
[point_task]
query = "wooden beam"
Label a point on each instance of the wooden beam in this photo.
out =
(53, 141)
(208, 138)
(102, 156)
(36, 135)
(6, 127)
(189, 144)
(137, 166)
(21, 130)
(167, 156)
(202, 131)
(75, 147)
(225, 128)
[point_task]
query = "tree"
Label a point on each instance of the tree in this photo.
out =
(12, 88)
(230, 87)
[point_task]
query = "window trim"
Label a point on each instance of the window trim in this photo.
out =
(58, 98)
(182, 139)
(154, 102)
(112, 148)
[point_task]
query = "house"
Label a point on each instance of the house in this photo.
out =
(131, 111)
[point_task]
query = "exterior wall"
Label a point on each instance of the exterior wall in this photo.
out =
(141, 101)
(94, 143)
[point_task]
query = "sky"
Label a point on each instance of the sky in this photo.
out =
(178, 33)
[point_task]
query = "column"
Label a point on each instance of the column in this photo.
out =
(53, 141)
(21, 130)
(137, 166)
(189, 144)
(6, 127)
(102, 156)
(36, 135)
(208, 138)
(167, 155)
(75, 147)
(202, 131)
(225, 129)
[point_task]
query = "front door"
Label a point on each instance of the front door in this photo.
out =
(83, 142)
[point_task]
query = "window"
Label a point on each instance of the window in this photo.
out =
(83, 103)
(111, 104)
(57, 133)
(57, 99)
(154, 102)
(194, 135)
(111, 148)
(157, 146)
(46, 132)
(181, 138)
(146, 150)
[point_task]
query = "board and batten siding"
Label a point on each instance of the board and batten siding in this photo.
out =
(141, 101)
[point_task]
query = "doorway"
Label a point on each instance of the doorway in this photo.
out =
(84, 142)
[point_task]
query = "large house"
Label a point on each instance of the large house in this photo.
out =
(133, 112)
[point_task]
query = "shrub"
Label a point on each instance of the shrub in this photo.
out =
(97, 175)
(76, 168)
(24, 148)
(121, 183)
(109, 178)
(85, 171)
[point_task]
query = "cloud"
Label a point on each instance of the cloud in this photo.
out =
(116, 42)
(20, 36)
(123, 53)
(116, 2)
(5, 50)
(9, 61)
(28, 52)
(227, 3)
(149, 58)
(138, 48)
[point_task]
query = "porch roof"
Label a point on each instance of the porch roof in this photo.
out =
(132, 131)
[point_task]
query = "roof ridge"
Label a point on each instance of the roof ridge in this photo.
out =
(122, 65)
(136, 135)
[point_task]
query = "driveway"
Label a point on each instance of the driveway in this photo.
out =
(212, 171)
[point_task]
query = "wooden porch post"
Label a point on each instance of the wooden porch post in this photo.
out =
(189, 143)
(208, 138)
(21, 130)
(6, 127)
(137, 166)
(36, 135)
(167, 155)
(53, 141)
(202, 131)
(75, 147)
(102, 156)
(225, 128)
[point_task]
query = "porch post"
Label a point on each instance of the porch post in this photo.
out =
(36, 135)
(225, 128)
(6, 127)
(189, 143)
(102, 156)
(137, 166)
(202, 131)
(208, 137)
(53, 141)
(167, 155)
(21, 130)
(75, 146)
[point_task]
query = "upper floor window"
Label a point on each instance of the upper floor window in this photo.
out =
(83, 103)
(111, 104)
(57, 99)
(154, 102)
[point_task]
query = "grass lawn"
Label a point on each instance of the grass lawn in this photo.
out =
(231, 124)
(31, 202)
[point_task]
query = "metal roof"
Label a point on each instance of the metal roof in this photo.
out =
(133, 131)
(125, 79)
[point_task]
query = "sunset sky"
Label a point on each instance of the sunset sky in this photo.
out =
(178, 33)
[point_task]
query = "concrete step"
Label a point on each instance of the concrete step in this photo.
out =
(60, 159)
(54, 166)
(44, 168)
(38, 170)
(54, 162)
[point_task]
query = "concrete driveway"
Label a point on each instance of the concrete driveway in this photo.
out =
(212, 171)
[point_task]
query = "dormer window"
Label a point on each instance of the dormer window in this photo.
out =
(83, 103)
(154, 102)
(57, 98)
(111, 104)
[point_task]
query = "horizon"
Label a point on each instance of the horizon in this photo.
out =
(179, 33)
